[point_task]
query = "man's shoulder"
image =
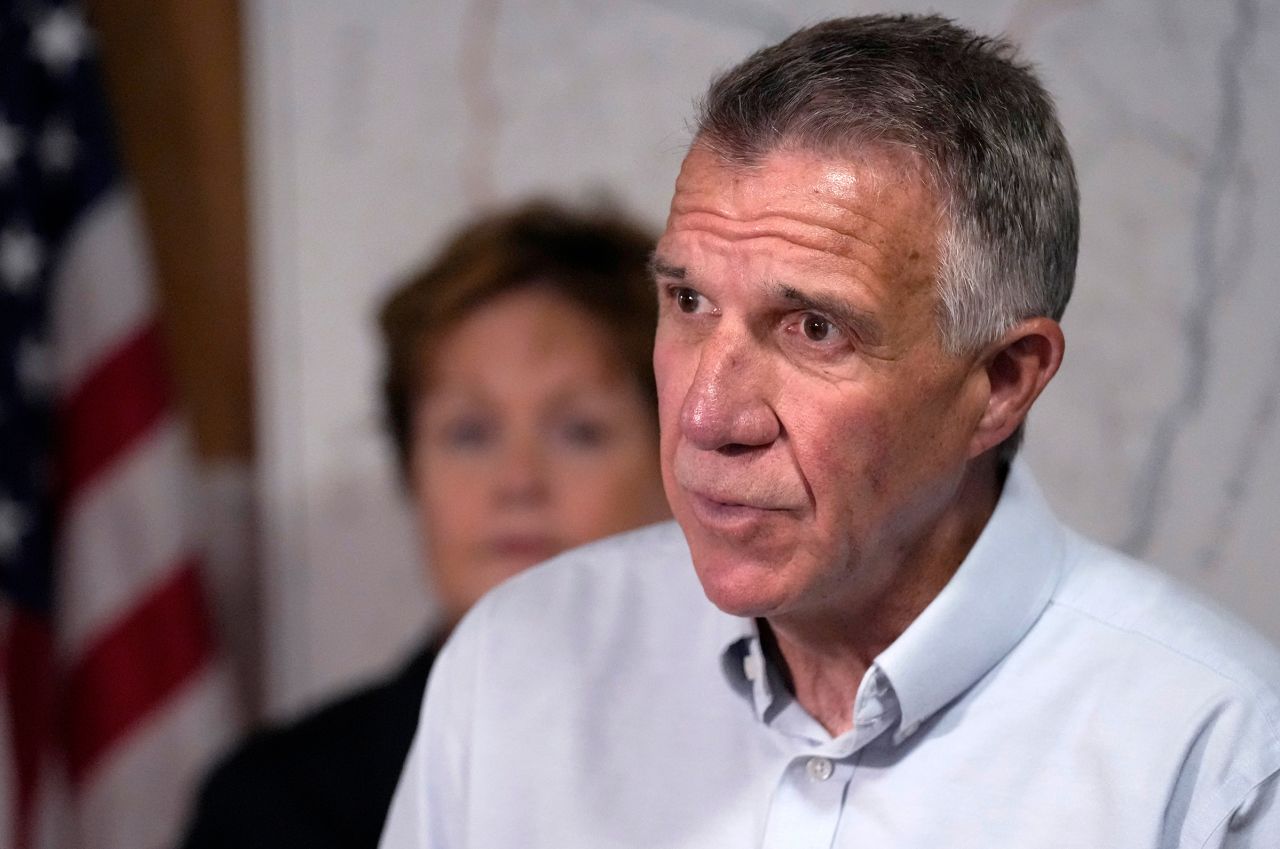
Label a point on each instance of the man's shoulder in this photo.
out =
(597, 625)
(617, 586)
(1139, 612)
(649, 548)
(1130, 596)
(649, 563)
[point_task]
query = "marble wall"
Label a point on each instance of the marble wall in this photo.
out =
(373, 131)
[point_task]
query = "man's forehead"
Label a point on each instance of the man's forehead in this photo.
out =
(872, 166)
(818, 198)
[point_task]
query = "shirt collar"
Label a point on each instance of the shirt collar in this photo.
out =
(740, 656)
(1000, 589)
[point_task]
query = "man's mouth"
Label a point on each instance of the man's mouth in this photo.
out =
(726, 501)
(739, 494)
(719, 513)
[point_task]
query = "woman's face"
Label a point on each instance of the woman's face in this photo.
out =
(530, 438)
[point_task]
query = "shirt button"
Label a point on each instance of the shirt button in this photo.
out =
(819, 769)
(751, 667)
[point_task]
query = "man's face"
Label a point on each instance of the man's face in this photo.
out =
(814, 432)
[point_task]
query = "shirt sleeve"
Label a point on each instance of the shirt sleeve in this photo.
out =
(1255, 824)
(404, 827)
(429, 808)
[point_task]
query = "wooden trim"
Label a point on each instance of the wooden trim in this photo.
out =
(173, 76)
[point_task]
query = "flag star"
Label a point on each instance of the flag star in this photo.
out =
(58, 147)
(21, 257)
(60, 39)
(13, 527)
(10, 148)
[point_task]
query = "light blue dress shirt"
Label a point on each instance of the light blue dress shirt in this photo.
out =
(1055, 694)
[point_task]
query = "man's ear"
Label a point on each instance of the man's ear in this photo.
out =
(1018, 367)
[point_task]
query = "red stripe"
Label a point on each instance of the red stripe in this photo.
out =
(112, 408)
(135, 667)
(28, 672)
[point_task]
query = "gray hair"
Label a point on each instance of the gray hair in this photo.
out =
(965, 106)
(976, 117)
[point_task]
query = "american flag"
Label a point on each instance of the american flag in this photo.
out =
(111, 696)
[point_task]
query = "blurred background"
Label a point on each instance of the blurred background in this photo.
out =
(294, 159)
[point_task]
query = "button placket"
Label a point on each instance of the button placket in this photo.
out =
(807, 804)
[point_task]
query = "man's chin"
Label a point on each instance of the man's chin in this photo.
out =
(738, 586)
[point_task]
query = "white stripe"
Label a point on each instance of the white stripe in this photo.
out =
(51, 827)
(101, 287)
(139, 797)
(122, 534)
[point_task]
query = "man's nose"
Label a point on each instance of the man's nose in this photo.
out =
(726, 406)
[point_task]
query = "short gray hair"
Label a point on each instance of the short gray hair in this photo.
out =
(976, 117)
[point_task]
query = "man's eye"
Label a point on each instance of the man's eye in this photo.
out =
(687, 300)
(817, 329)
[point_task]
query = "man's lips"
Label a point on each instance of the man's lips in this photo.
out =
(717, 501)
(727, 518)
(730, 516)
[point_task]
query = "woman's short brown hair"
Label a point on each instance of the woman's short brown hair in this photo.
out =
(598, 259)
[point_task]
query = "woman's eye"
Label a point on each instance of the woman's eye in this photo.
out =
(687, 299)
(584, 434)
(466, 433)
(817, 329)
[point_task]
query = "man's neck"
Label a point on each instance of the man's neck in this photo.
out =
(825, 658)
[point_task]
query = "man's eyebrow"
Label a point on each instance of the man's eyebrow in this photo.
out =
(658, 268)
(863, 325)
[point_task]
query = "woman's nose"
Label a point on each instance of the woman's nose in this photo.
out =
(521, 474)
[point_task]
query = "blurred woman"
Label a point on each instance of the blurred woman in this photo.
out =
(521, 402)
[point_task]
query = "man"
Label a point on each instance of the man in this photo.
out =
(890, 641)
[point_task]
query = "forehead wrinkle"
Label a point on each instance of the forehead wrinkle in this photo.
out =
(785, 223)
(829, 258)
(862, 233)
(753, 193)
